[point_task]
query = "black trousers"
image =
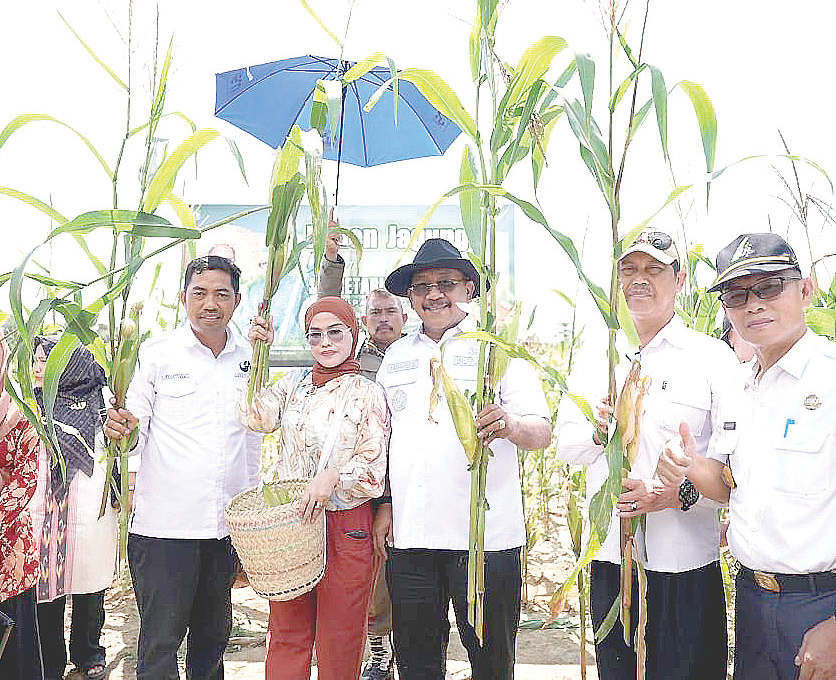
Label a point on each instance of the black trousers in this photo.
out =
(85, 632)
(21, 659)
(769, 627)
(686, 625)
(422, 583)
(181, 585)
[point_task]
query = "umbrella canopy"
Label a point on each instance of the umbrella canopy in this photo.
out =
(266, 100)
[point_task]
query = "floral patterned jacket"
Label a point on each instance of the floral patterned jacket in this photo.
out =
(18, 478)
(305, 418)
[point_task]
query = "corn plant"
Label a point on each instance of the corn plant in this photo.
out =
(81, 304)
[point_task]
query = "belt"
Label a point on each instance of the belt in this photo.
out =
(821, 581)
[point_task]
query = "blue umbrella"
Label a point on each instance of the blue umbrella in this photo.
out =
(266, 100)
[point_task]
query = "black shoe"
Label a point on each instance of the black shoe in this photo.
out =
(372, 672)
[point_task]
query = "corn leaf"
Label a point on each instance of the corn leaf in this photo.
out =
(164, 177)
(107, 69)
(34, 202)
(26, 118)
(155, 230)
(586, 74)
(119, 220)
(321, 23)
(470, 201)
(533, 65)
(660, 101)
(706, 119)
(443, 98)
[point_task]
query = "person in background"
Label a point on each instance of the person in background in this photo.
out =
(690, 376)
(195, 457)
(307, 406)
(780, 478)
(428, 522)
(77, 547)
(19, 445)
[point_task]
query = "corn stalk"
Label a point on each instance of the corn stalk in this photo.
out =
(108, 292)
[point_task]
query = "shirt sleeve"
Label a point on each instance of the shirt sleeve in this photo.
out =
(727, 382)
(364, 474)
(140, 397)
(20, 445)
(264, 414)
(330, 277)
(574, 435)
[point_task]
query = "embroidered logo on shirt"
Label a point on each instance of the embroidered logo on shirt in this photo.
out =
(244, 366)
(464, 361)
(402, 366)
(730, 425)
(398, 400)
(175, 376)
(811, 402)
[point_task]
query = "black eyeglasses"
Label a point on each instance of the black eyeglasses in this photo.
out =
(335, 336)
(446, 286)
(765, 289)
(657, 239)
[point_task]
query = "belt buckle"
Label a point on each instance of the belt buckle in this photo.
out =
(767, 581)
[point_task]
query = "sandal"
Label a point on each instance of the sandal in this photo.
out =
(95, 672)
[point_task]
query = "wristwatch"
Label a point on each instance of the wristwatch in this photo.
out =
(688, 494)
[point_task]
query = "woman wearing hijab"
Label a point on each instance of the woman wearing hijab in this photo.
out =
(77, 547)
(333, 615)
(19, 444)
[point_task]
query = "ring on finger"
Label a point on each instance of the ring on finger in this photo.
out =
(634, 505)
(500, 424)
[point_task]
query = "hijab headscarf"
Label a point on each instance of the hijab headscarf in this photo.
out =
(79, 407)
(9, 413)
(343, 311)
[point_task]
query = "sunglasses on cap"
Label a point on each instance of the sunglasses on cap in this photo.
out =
(765, 289)
(657, 239)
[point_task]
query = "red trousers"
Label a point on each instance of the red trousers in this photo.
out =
(334, 614)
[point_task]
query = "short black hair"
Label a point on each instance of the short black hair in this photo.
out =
(201, 264)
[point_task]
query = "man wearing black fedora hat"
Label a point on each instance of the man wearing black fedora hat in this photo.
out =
(780, 479)
(430, 480)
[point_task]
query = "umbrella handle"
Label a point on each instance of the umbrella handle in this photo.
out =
(340, 145)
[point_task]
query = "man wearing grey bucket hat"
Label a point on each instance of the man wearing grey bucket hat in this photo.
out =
(780, 479)
(430, 481)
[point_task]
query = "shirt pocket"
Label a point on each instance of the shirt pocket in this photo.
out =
(176, 399)
(402, 387)
(802, 466)
(685, 402)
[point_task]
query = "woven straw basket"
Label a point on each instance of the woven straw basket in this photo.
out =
(283, 558)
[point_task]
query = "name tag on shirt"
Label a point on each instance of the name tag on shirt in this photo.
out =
(402, 366)
(465, 361)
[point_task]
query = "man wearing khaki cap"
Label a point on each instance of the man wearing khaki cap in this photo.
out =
(689, 374)
(780, 479)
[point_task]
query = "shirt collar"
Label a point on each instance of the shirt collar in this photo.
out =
(795, 360)
(190, 339)
(466, 325)
(674, 332)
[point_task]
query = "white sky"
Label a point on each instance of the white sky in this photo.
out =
(767, 66)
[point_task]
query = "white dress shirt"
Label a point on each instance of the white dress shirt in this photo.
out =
(195, 454)
(783, 510)
(693, 378)
(428, 470)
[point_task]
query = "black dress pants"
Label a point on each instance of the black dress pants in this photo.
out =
(85, 632)
(422, 584)
(686, 625)
(182, 585)
(21, 659)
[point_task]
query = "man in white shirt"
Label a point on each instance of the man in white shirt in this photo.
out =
(430, 480)
(689, 373)
(780, 479)
(195, 458)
